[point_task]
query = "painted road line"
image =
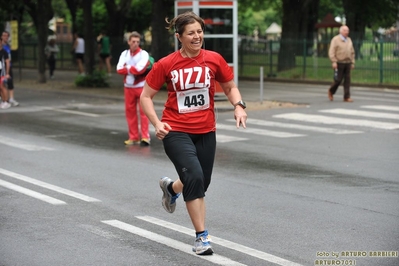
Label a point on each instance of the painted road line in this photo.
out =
(31, 193)
(222, 242)
(216, 259)
(300, 127)
(224, 138)
(341, 111)
(48, 186)
(262, 132)
(376, 99)
(22, 145)
(74, 112)
(382, 107)
(321, 119)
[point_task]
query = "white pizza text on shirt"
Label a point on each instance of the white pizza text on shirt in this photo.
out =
(192, 88)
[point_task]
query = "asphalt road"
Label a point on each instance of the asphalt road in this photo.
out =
(311, 184)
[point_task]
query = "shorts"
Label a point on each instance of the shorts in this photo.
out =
(193, 156)
(79, 56)
(104, 56)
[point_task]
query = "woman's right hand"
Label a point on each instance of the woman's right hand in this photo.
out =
(161, 130)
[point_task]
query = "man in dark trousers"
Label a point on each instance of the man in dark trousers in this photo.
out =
(342, 56)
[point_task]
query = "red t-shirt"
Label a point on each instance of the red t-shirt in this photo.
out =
(191, 89)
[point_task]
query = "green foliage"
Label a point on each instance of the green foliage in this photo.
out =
(100, 17)
(60, 8)
(330, 6)
(97, 80)
(261, 19)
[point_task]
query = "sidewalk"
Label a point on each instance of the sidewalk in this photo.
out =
(63, 82)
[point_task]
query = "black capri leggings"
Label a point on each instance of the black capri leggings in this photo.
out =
(193, 156)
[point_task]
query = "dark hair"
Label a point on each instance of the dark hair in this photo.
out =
(179, 23)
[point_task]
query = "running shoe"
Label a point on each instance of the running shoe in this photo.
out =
(145, 142)
(168, 201)
(132, 142)
(202, 244)
(5, 105)
(14, 102)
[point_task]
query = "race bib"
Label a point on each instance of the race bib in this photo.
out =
(193, 100)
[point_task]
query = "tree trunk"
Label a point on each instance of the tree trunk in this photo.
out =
(160, 45)
(73, 7)
(88, 37)
(41, 12)
(356, 21)
(297, 16)
(289, 34)
(117, 16)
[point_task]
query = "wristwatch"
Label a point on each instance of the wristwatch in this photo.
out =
(241, 103)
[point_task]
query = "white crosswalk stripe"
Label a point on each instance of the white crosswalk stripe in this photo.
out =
(220, 138)
(300, 127)
(262, 132)
(340, 111)
(329, 120)
(340, 118)
(382, 107)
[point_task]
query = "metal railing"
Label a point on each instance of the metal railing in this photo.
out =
(377, 63)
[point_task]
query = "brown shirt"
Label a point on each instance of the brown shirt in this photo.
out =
(341, 51)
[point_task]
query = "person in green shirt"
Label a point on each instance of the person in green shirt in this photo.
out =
(104, 51)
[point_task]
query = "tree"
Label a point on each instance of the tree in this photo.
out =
(41, 11)
(299, 18)
(160, 45)
(257, 13)
(362, 13)
(117, 15)
(88, 36)
(73, 8)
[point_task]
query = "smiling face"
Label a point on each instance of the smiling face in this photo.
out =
(192, 38)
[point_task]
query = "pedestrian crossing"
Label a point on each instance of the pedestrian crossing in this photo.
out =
(338, 121)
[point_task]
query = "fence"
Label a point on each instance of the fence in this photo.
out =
(27, 55)
(377, 62)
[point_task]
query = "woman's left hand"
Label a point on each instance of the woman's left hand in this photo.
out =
(240, 116)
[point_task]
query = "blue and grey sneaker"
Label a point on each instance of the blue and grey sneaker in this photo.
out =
(202, 244)
(168, 201)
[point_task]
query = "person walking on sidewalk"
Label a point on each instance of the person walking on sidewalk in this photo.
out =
(51, 51)
(10, 81)
(342, 56)
(188, 124)
(4, 76)
(104, 51)
(79, 51)
(132, 64)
